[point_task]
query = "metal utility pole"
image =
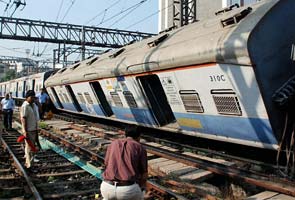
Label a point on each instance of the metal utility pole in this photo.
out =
(177, 13)
(184, 12)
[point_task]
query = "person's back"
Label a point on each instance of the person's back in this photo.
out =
(7, 106)
(126, 168)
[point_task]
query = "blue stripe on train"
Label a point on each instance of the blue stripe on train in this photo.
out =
(251, 129)
(138, 115)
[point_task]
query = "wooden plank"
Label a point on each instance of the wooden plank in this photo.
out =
(263, 195)
(111, 133)
(153, 144)
(150, 162)
(196, 175)
(282, 197)
(177, 168)
(169, 149)
(158, 165)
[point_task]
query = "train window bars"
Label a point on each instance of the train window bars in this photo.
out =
(236, 18)
(66, 98)
(226, 102)
(191, 101)
(158, 40)
(130, 99)
(88, 98)
(81, 98)
(116, 99)
(61, 97)
(227, 9)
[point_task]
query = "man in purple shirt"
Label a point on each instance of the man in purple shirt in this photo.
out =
(126, 168)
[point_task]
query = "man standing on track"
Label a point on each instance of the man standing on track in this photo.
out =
(29, 117)
(126, 168)
(7, 106)
(43, 100)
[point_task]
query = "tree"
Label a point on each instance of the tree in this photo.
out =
(9, 74)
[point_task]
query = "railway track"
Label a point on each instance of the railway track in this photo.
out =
(52, 177)
(176, 169)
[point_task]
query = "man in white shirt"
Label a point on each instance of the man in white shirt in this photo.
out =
(29, 117)
(7, 106)
(43, 100)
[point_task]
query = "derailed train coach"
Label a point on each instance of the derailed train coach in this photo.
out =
(229, 78)
(18, 87)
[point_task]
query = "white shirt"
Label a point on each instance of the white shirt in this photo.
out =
(31, 113)
(7, 103)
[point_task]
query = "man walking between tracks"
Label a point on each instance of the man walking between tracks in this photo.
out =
(7, 106)
(29, 118)
(126, 168)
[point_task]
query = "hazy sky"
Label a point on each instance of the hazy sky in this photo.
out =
(135, 15)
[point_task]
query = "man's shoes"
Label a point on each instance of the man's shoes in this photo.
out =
(36, 160)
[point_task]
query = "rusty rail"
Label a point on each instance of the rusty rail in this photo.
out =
(21, 169)
(155, 189)
(270, 183)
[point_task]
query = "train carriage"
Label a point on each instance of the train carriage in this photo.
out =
(218, 78)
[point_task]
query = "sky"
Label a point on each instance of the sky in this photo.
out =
(133, 15)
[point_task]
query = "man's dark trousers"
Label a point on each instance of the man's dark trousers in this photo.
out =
(7, 118)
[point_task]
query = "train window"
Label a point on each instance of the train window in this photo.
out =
(116, 99)
(75, 66)
(62, 70)
(61, 97)
(66, 98)
(92, 61)
(88, 98)
(116, 53)
(191, 101)
(81, 98)
(73, 97)
(158, 40)
(130, 99)
(226, 102)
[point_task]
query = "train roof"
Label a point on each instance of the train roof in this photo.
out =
(221, 39)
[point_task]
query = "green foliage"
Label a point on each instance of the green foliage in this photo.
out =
(42, 125)
(10, 74)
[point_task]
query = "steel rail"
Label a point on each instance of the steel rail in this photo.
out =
(166, 194)
(21, 169)
(270, 183)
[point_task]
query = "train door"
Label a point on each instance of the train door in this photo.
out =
(33, 84)
(24, 89)
(157, 100)
(103, 103)
(56, 98)
(73, 97)
(16, 90)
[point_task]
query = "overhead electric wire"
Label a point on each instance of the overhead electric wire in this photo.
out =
(133, 9)
(68, 10)
(102, 12)
(121, 12)
(59, 9)
(149, 16)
